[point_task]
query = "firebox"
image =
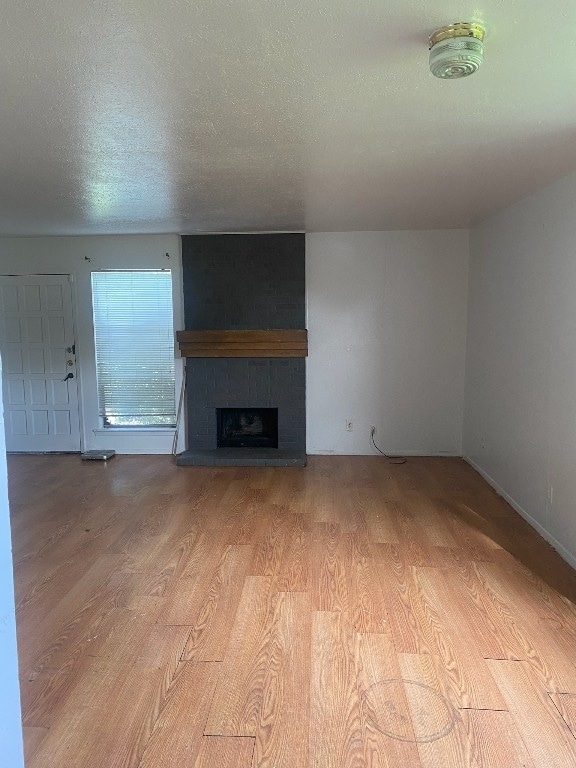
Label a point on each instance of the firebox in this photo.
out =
(247, 427)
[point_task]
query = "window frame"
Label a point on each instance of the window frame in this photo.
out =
(165, 356)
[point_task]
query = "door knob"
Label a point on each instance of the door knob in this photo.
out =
(68, 376)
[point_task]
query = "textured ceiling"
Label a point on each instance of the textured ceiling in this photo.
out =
(180, 116)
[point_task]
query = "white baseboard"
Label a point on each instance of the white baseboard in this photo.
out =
(560, 548)
(336, 452)
(142, 451)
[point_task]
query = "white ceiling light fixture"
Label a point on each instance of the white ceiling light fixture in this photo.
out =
(456, 50)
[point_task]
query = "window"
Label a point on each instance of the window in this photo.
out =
(134, 338)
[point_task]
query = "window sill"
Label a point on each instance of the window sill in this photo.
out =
(132, 430)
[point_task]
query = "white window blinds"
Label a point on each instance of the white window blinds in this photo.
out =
(134, 338)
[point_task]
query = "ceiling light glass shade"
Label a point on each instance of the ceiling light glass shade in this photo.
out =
(456, 50)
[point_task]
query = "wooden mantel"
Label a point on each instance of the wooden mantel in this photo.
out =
(269, 343)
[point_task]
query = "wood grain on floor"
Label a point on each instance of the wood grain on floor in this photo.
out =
(350, 614)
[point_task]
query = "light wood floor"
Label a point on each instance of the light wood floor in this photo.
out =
(350, 614)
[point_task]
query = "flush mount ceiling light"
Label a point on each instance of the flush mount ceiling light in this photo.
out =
(456, 50)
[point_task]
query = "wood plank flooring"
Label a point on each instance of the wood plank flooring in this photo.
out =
(350, 614)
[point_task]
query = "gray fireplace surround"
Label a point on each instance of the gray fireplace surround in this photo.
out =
(244, 282)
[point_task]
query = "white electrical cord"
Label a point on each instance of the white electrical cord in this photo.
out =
(179, 413)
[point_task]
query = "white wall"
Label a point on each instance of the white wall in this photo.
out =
(69, 255)
(387, 328)
(520, 423)
(10, 724)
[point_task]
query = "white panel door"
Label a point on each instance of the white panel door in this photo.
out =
(39, 365)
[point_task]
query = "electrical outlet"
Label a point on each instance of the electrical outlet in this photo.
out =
(349, 425)
(372, 430)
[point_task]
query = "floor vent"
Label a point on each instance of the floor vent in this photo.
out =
(97, 455)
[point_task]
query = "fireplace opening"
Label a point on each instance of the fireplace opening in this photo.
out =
(247, 427)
